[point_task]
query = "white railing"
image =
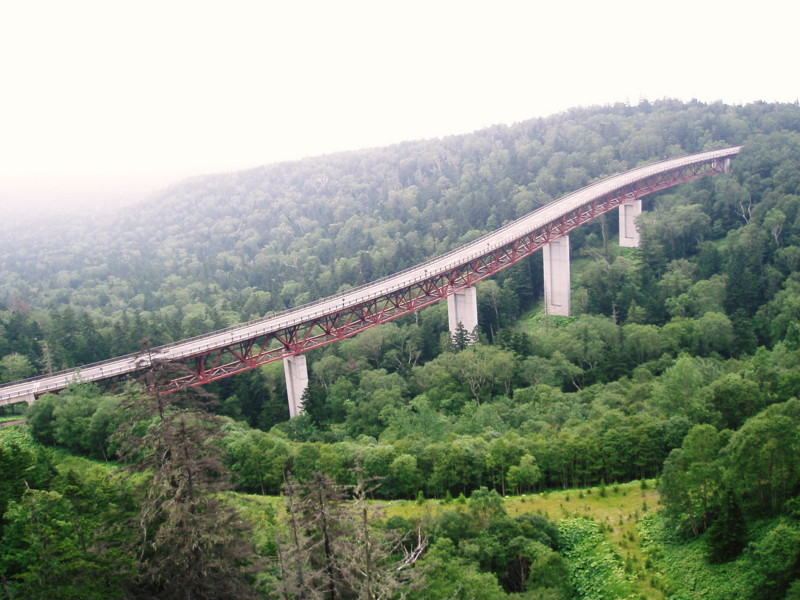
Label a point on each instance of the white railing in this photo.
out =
(448, 261)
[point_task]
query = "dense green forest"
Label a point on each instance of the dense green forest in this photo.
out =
(680, 363)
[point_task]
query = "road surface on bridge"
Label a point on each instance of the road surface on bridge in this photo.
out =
(186, 349)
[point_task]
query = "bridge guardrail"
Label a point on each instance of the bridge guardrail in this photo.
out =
(564, 203)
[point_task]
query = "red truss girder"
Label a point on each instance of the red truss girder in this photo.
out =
(322, 330)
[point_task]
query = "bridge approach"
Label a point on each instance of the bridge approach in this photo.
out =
(287, 335)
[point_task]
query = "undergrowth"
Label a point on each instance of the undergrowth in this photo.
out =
(596, 570)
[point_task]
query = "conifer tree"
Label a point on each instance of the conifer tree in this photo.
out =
(191, 544)
(330, 548)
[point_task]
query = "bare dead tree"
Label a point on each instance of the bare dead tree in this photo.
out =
(332, 549)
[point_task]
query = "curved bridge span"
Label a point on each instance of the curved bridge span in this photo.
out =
(287, 335)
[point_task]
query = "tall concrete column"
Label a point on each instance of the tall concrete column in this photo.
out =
(628, 233)
(462, 307)
(296, 373)
(723, 164)
(557, 277)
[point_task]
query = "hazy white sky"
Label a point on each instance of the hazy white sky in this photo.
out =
(99, 93)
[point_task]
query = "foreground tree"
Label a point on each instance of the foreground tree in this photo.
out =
(453, 577)
(331, 549)
(52, 549)
(192, 545)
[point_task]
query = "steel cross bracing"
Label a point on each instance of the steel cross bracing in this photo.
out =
(240, 348)
(350, 320)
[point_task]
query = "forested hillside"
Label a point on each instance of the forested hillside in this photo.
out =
(680, 361)
(227, 248)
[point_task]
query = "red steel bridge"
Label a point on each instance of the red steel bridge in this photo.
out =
(290, 333)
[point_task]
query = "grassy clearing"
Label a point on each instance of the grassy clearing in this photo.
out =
(618, 508)
(682, 568)
(16, 419)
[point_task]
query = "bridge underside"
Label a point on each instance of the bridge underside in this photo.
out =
(314, 333)
(286, 336)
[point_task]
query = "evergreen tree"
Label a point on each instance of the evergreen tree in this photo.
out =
(192, 544)
(51, 550)
(330, 548)
(462, 338)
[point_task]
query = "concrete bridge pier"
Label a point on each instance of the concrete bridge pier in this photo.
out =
(462, 307)
(628, 233)
(722, 164)
(557, 277)
(296, 372)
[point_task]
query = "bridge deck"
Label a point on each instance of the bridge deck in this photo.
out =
(502, 237)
